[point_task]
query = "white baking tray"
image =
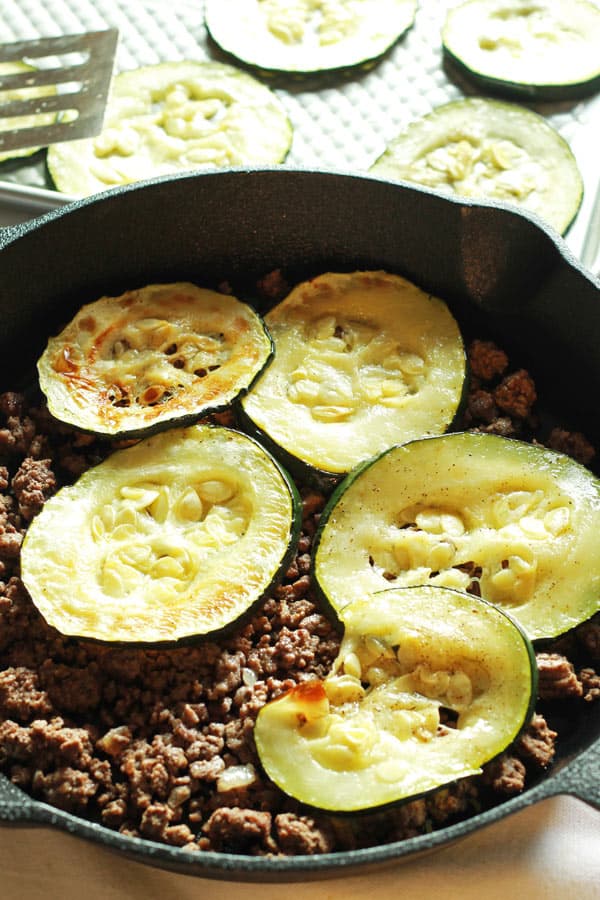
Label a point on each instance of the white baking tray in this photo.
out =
(343, 125)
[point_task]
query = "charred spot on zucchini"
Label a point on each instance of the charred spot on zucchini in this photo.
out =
(363, 360)
(492, 150)
(29, 121)
(152, 357)
(514, 522)
(175, 537)
(308, 36)
(429, 684)
(546, 50)
(173, 117)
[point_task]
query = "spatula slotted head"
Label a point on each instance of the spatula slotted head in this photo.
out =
(63, 80)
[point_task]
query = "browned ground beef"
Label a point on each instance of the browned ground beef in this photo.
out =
(159, 743)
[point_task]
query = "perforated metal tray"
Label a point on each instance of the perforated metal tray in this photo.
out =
(341, 124)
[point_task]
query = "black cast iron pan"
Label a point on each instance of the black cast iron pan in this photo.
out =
(503, 273)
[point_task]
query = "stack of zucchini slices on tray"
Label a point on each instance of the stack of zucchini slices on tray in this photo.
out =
(441, 554)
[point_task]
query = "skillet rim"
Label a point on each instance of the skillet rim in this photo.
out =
(16, 807)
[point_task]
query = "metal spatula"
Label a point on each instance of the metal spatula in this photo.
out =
(64, 85)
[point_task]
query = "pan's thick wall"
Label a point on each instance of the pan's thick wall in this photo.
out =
(498, 266)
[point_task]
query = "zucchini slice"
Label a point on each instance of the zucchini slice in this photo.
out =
(429, 684)
(173, 117)
(160, 355)
(174, 537)
(308, 36)
(546, 50)
(514, 522)
(29, 121)
(491, 150)
(363, 360)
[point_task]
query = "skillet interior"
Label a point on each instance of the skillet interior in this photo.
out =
(503, 273)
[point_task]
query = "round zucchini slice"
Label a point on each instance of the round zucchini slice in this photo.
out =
(29, 121)
(546, 50)
(514, 522)
(160, 355)
(363, 360)
(491, 150)
(429, 685)
(308, 36)
(174, 537)
(171, 117)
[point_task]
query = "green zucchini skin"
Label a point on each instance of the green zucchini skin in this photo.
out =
(368, 736)
(572, 75)
(363, 360)
(518, 91)
(492, 150)
(166, 542)
(515, 521)
(284, 43)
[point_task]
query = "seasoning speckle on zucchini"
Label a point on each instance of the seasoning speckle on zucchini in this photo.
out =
(173, 117)
(507, 520)
(308, 36)
(429, 684)
(492, 150)
(172, 538)
(363, 360)
(547, 50)
(156, 356)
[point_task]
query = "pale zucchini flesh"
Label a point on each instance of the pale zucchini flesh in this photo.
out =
(174, 537)
(363, 360)
(173, 117)
(546, 49)
(152, 357)
(491, 150)
(373, 733)
(307, 36)
(516, 523)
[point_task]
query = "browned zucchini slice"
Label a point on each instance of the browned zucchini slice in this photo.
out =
(161, 355)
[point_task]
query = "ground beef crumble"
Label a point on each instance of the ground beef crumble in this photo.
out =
(158, 743)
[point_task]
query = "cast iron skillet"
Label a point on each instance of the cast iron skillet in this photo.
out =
(502, 272)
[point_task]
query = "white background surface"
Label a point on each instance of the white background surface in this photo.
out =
(550, 851)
